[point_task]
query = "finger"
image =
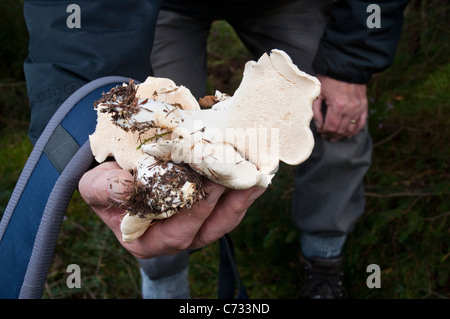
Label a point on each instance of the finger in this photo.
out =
(350, 113)
(361, 122)
(101, 184)
(358, 126)
(346, 124)
(350, 117)
(228, 213)
(354, 126)
(317, 112)
(354, 119)
(348, 128)
(105, 182)
(332, 137)
(334, 127)
(176, 233)
(332, 120)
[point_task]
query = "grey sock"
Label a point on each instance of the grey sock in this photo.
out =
(321, 246)
(171, 287)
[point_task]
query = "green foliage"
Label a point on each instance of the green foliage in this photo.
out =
(13, 154)
(14, 39)
(226, 55)
(107, 269)
(406, 228)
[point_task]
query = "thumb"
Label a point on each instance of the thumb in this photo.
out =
(317, 111)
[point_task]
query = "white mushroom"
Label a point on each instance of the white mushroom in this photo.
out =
(238, 142)
(111, 140)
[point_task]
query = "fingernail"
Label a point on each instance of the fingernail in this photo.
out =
(255, 194)
(117, 188)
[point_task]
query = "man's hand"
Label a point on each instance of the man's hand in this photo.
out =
(204, 223)
(347, 109)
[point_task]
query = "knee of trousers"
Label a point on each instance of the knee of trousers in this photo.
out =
(164, 266)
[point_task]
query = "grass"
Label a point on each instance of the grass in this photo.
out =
(406, 227)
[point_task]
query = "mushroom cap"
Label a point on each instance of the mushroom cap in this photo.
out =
(165, 90)
(276, 97)
(265, 121)
(111, 140)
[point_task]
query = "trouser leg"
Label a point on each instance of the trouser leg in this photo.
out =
(165, 277)
(332, 182)
(175, 286)
(295, 28)
(329, 194)
(179, 50)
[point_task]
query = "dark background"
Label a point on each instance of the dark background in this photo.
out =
(406, 227)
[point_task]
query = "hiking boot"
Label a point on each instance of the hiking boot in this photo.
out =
(322, 278)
